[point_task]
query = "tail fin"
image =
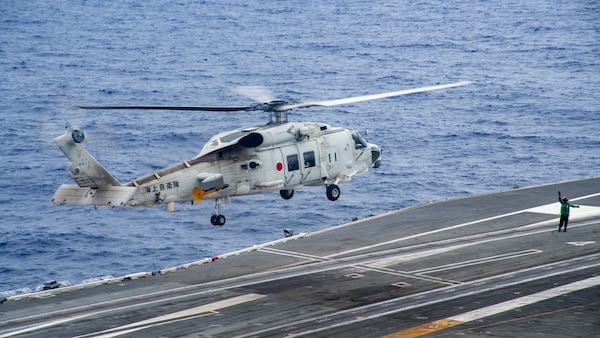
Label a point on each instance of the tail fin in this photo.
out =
(96, 185)
(87, 172)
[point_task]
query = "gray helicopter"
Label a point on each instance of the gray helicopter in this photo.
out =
(276, 156)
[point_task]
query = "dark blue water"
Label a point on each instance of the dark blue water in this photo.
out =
(531, 118)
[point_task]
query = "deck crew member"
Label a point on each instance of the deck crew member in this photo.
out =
(565, 207)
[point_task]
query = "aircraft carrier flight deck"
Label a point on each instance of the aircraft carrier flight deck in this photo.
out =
(490, 265)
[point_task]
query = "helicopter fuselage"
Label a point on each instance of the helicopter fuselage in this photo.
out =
(259, 159)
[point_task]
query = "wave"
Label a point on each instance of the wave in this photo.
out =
(534, 99)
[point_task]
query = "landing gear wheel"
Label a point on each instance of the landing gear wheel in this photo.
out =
(333, 192)
(217, 220)
(286, 194)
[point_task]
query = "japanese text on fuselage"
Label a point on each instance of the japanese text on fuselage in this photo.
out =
(162, 187)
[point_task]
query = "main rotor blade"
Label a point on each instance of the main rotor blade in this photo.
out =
(192, 108)
(329, 103)
(280, 106)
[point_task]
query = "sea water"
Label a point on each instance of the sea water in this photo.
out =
(531, 117)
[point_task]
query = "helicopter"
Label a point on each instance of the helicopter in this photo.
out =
(275, 156)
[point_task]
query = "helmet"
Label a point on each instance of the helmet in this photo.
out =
(565, 198)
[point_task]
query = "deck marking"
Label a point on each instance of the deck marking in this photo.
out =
(294, 254)
(200, 310)
(571, 308)
(581, 243)
(483, 260)
(402, 258)
(495, 309)
(421, 234)
(143, 327)
(554, 208)
(409, 275)
(546, 271)
(196, 312)
(526, 300)
(583, 212)
(422, 330)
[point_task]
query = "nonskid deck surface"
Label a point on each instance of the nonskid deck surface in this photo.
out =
(492, 264)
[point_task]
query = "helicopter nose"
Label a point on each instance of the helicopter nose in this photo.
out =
(376, 156)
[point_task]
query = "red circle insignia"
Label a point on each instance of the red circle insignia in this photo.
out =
(279, 166)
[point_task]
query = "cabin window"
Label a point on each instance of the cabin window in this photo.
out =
(309, 159)
(292, 161)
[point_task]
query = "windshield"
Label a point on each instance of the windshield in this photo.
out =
(359, 141)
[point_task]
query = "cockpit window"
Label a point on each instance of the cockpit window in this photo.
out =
(309, 159)
(359, 141)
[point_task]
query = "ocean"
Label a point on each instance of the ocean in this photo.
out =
(530, 118)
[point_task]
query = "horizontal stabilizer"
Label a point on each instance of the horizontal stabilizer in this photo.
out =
(110, 195)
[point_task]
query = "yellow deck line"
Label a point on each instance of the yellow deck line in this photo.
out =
(491, 310)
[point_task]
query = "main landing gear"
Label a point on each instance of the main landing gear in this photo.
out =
(333, 193)
(217, 219)
(286, 194)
